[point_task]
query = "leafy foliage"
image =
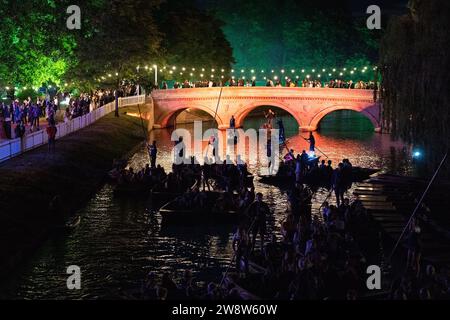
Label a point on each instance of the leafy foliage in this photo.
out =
(415, 64)
(34, 47)
(295, 34)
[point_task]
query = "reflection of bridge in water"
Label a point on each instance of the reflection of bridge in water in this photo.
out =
(307, 105)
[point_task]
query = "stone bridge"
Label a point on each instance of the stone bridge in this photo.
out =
(307, 105)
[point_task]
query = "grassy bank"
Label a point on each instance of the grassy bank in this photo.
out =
(74, 172)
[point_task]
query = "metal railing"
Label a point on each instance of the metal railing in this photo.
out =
(12, 148)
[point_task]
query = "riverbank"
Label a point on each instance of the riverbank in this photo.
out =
(74, 172)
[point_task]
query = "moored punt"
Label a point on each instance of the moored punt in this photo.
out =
(232, 280)
(173, 213)
(70, 224)
(284, 181)
(160, 198)
(132, 189)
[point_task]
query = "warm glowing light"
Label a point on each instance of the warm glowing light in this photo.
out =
(242, 71)
(308, 76)
(292, 71)
(303, 70)
(313, 70)
(184, 69)
(341, 74)
(252, 71)
(282, 71)
(174, 68)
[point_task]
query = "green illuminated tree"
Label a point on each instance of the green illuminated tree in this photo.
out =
(35, 47)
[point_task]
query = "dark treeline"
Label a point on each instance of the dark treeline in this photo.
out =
(415, 72)
(296, 33)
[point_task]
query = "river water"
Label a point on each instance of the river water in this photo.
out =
(120, 240)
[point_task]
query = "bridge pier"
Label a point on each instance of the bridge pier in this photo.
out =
(307, 129)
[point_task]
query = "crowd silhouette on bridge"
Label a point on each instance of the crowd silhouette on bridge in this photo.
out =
(290, 83)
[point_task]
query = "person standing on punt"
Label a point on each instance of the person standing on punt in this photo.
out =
(258, 212)
(153, 152)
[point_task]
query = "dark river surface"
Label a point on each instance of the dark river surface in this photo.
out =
(120, 240)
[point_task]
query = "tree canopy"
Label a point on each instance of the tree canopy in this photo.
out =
(415, 64)
(34, 47)
(295, 33)
(116, 37)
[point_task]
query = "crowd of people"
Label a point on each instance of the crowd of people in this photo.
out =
(290, 83)
(19, 118)
(315, 257)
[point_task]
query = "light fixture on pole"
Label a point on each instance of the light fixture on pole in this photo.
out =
(156, 74)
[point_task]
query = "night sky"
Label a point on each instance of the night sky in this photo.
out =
(388, 7)
(358, 7)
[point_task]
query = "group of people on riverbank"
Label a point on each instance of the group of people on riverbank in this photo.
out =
(16, 117)
(19, 118)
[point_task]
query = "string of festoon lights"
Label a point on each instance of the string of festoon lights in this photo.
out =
(37, 89)
(249, 74)
(227, 74)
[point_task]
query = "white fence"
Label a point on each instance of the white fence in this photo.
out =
(12, 148)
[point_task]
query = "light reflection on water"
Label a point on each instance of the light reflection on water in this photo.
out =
(119, 241)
